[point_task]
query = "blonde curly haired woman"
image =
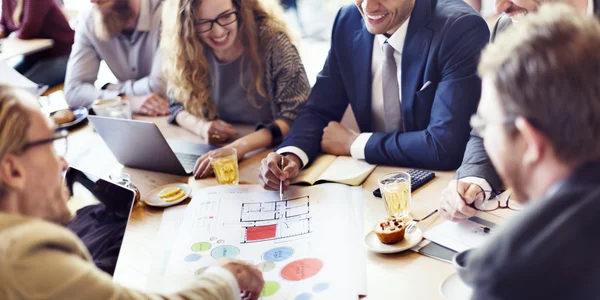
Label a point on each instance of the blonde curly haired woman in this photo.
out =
(231, 61)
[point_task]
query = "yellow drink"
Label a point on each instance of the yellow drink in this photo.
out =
(225, 165)
(397, 198)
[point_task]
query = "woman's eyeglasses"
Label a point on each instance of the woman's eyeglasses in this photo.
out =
(58, 140)
(223, 20)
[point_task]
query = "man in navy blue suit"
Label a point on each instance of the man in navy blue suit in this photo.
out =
(409, 71)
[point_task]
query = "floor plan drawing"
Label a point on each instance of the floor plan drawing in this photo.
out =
(277, 210)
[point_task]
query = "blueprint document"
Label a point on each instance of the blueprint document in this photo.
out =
(308, 245)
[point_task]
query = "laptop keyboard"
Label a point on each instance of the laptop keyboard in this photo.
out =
(188, 161)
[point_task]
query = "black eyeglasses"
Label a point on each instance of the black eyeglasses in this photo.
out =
(58, 140)
(479, 124)
(495, 202)
(223, 20)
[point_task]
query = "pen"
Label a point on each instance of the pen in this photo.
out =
(425, 85)
(281, 182)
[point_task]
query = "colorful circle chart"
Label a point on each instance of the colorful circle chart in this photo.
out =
(304, 296)
(320, 287)
(301, 269)
(266, 266)
(271, 287)
(225, 251)
(192, 257)
(201, 246)
(278, 254)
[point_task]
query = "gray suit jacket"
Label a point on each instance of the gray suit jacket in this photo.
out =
(476, 162)
(548, 251)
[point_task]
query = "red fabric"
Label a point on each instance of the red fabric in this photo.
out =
(41, 19)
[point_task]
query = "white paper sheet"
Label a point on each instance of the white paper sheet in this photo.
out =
(169, 226)
(463, 235)
(308, 246)
(10, 77)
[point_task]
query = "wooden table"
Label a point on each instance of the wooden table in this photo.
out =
(407, 275)
(12, 47)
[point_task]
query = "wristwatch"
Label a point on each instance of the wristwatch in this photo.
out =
(276, 135)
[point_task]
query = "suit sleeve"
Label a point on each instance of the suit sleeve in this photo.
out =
(442, 144)
(327, 102)
(477, 163)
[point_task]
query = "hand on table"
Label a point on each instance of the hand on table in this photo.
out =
(203, 167)
(271, 174)
(217, 132)
(249, 278)
(337, 139)
(149, 105)
(457, 198)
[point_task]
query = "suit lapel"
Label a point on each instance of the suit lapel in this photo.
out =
(362, 56)
(414, 57)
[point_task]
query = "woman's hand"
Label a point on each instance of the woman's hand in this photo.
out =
(203, 167)
(218, 132)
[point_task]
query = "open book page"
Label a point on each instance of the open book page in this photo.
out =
(347, 170)
(297, 243)
(311, 174)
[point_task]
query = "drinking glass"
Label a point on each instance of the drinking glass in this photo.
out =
(225, 165)
(124, 179)
(395, 191)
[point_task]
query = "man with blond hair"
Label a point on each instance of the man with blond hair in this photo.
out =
(40, 258)
(539, 117)
(125, 35)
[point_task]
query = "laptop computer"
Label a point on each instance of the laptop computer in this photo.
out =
(102, 211)
(141, 145)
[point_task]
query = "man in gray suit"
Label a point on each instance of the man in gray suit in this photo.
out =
(539, 116)
(477, 180)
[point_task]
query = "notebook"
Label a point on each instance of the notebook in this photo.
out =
(338, 169)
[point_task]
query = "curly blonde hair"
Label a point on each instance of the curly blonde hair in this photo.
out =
(185, 64)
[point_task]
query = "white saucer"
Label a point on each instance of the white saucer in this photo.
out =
(452, 288)
(409, 241)
(152, 198)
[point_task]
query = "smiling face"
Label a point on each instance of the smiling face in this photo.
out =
(219, 38)
(385, 16)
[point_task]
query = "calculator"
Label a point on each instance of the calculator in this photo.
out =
(418, 178)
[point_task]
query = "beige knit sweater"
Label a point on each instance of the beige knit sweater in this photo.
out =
(40, 260)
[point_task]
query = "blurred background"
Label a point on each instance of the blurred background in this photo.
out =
(312, 20)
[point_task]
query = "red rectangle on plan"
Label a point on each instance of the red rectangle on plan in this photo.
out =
(261, 232)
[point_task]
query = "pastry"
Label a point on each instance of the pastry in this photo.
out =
(63, 117)
(390, 231)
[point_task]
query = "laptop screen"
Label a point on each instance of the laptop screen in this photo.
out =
(101, 210)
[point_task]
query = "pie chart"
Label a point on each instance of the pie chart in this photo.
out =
(301, 269)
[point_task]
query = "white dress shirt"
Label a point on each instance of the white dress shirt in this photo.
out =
(357, 150)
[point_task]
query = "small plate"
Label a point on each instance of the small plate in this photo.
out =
(409, 241)
(452, 288)
(153, 200)
(80, 113)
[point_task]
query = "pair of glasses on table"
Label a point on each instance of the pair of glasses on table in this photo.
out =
(494, 202)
